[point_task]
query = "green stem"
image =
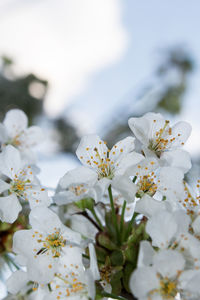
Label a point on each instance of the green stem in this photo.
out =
(99, 261)
(96, 218)
(114, 216)
(130, 225)
(122, 221)
(112, 296)
(9, 261)
(134, 179)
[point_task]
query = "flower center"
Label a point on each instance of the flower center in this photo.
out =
(16, 141)
(104, 166)
(78, 189)
(18, 186)
(71, 285)
(146, 185)
(189, 201)
(162, 140)
(168, 289)
(53, 242)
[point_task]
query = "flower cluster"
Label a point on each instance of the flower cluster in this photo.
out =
(124, 224)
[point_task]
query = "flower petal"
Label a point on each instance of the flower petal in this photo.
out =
(177, 158)
(168, 262)
(9, 208)
(146, 254)
(77, 176)
(41, 268)
(162, 228)
(3, 134)
(122, 148)
(93, 262)
(181, 131)
(125, 187)
(10, 161)
(31, 137)
(15, 122)
(17, 281)
(142, 281)
(3, 186)
(149, 206)
(145, 128)
(44, 219)
(90, 150)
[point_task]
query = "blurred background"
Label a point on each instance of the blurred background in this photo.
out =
(77, 67)
(85, 66)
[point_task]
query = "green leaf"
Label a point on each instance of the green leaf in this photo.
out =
(117, 258)
(110, 227)
(101, 253)
(116, 282)
(105, 241)
(127, 271)
(85, 203)
(131, 253)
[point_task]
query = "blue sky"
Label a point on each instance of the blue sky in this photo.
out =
(151, 26)
(94, 52)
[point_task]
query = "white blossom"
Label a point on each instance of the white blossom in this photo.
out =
(75, 185)
(19, 184)
(15, 131)
(155, 133)
(41, 247)
(107, 164)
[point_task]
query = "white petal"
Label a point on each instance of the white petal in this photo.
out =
(10, 161)
(182, 221)
(101, 187)
(15, 122)
(177, 158)
(9, 208)
(146, 254)
(191, 245)
(17, 281)
(128, 163)
(142, 281)
(93, 262)
(168, 262)
(144, 128)
(149, 206)
(31, 136)
(38, 197)
(189, 281)
(70, 235)
(162, 228)
(73, 256)
(3, 186)
(78, 176)
(86, 151)
(143, 167)
(196, 225)
(89, 280)
(65, 197)
(3, 134)
(184, 130)
(41, 268)
(125, 187)
(44, 219)
(171, 182)
(120, 149)
(24, 243)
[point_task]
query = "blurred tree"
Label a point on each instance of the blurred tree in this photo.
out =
(176, 67)
(68, 137)
(25, 92)
(28, 93)
(166, 94)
